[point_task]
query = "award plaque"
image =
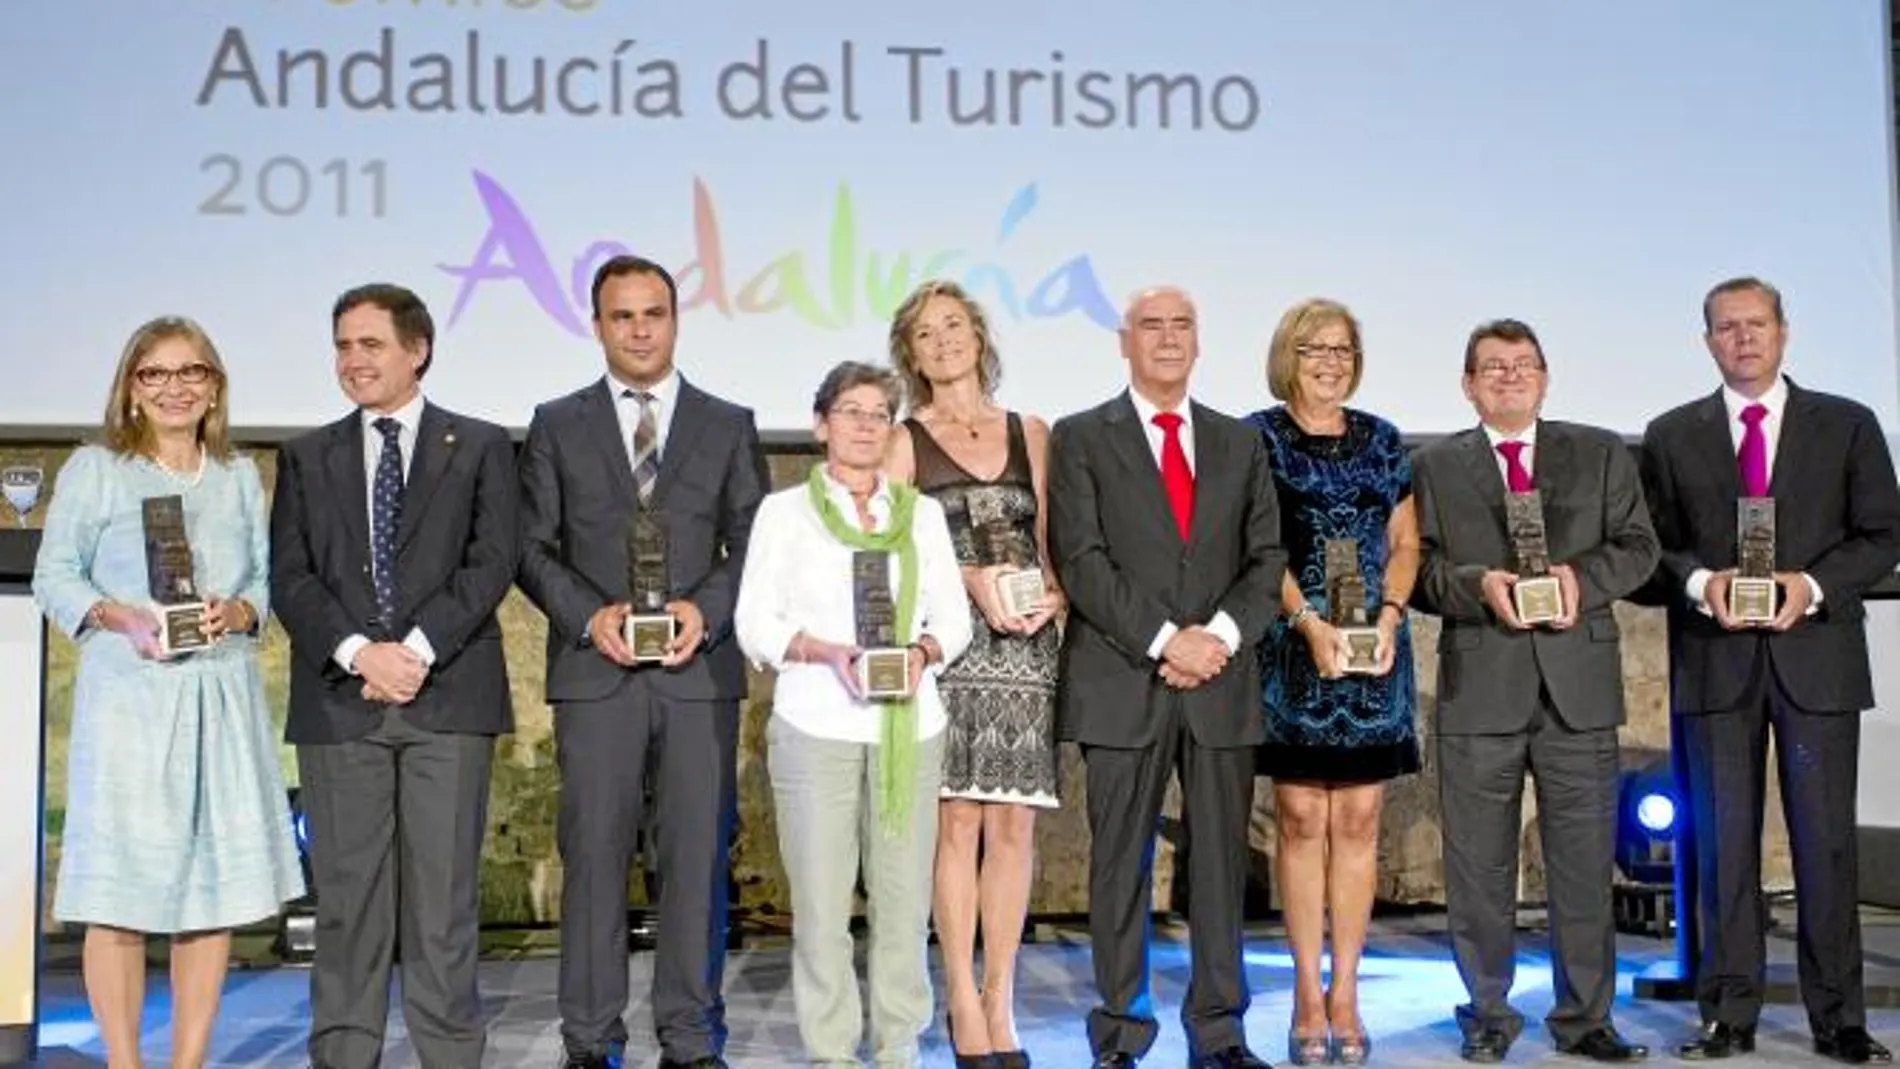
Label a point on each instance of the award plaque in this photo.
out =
(883, 665)
(1753, 597)
(649, 629)
(168, 571)
(1019, 586)
(1346, 605)
(1537, 596)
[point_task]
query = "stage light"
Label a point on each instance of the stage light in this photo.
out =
(297, 925)
(1647, 819)
(1656, 812)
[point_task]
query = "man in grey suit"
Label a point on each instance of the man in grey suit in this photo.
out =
(1165, 533)
(392, 544)
(641, 441)
(1514, 697)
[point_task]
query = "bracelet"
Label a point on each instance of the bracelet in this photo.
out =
(1299, 616)
(1396, 605)
(96, 616)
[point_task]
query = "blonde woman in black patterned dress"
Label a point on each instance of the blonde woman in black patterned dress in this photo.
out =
(1000, 749)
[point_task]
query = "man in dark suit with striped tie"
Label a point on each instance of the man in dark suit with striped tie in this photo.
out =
(393, 536)
(641, 443)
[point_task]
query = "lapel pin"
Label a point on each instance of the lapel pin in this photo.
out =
(449, 438)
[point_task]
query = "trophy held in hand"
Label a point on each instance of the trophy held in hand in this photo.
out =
(168, 569)
(1346, 605)
(1753, 597)
(883, 666)
(1019, 586)
(1537, 596)
(649, 629)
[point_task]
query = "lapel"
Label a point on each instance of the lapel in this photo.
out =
(1129, 439)
(602, 424)
(1791, 447)
(1210, 461)
(1716, 447)
(434, 450)
(688, 420)
(344, 460)
(1481, 467)
(1553, 463)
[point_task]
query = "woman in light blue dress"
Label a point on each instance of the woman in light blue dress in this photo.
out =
(177, 822)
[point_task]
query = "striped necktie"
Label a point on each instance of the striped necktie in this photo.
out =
(646, 446)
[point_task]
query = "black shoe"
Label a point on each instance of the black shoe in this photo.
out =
(1234, 1057)
(708, 1061)
(1113, 1059)
(1487, 1046)
(1604, 1045)
(1012, 1059)
(1718, 1040)
(576, 1059)
(1853, 1046)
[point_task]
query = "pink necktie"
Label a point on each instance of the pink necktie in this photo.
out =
(1754, 452)
(1516, 478)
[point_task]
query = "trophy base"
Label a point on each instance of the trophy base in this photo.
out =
(1363, 642)
(884, 673)
(649, 636)
(181, 628)
(1021, 592)
(1539, 600)
(1753, 600)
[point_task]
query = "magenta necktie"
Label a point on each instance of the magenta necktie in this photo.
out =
(1516, 478)
(1754, 453)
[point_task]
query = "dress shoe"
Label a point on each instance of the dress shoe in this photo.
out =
(1351, 1050)
(1307, 1050)
(575, 1059)
(1853, 1046)
(707, 1061)
(1235, 1057)
(1012, 1059)
(1487, 1046)
(1604, 1045)
(1113, 1059)
(1718, 1040)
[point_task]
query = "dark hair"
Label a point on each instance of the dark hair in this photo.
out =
(1510, 330)
(406, 311)
(1741, 284)
(627, 264)
(849, 376)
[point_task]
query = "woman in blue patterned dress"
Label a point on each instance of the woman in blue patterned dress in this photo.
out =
(1333, 737)
(176, 818)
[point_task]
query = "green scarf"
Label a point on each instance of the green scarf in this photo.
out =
(897, 778)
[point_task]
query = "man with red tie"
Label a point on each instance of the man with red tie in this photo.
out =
(1824, 463)
(1165, 533)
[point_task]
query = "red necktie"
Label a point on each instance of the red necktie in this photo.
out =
(1754, 452)
(1176, 479)
(1516, 477)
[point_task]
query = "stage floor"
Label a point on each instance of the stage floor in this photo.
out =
(1408, 988)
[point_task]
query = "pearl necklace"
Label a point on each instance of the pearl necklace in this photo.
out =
(187, 479)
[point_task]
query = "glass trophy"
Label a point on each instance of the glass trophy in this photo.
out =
(22, 486)
(649, 629)
(168, 570)
(1753, 597)
(883, 666)
(998, 541)
(1346, 605)
(1537, 596)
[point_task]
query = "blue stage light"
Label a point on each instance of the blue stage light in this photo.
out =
(1656, 812)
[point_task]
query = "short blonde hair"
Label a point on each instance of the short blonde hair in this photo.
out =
(125, 433)
(1296, 328)
(989, 365)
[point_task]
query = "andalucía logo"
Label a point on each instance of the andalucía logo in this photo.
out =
(846, 284)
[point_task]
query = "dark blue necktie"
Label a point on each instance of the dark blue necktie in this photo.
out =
(385, 518)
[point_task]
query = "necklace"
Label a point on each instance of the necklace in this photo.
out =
(970, 425)
(188, 478)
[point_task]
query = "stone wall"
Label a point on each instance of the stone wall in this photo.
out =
(522, 870)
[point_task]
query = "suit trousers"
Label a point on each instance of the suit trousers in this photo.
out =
(611, 752)
(1125, 790)
(1481, 796)
(825, 795)
(396, 820)
(1818, 759)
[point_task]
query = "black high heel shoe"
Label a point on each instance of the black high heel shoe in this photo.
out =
(968, 1061)
(1012, 1059)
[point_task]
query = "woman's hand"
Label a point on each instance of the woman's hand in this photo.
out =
(1389, 620)
(980, 582)
(226, 615)
(1053, 602)
(137, 624)
(1330, 652)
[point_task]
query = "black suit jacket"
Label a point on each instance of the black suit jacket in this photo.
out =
(455, 559)
(1595, 521)
(1837, 518)
(578, 496)
(1127, 571)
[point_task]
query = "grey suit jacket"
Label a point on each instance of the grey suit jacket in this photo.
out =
(1489, 675)
(577, 498)
(1127, 571)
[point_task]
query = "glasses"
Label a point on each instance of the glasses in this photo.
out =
(153, 378)
(1337, 354)
(863, 417)
(1497, 369)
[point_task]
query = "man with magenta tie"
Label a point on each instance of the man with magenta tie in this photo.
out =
(1795, 660)
(1529, 682)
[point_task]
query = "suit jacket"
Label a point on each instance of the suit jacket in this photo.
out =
(1489, 675)
(1837, 518)
(1127, 571)
(455, 558)
(578, 496)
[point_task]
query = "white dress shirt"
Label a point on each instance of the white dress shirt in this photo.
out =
(1528, 457)
(665, 393)
(1222, 626)
(410, 416)
(798, 578)
(1776, 402)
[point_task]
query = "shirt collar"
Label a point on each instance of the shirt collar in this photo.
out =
(409, 415)
(1774, 400)
(1146, 409)
(881, 495)
(1528, 435)
(663, 391)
